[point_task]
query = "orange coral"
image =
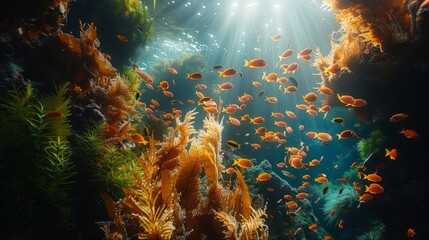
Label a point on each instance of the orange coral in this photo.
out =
(168, 201)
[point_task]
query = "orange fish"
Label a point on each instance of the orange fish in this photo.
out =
(334, 69)
(164, 85)
(211, 109)
(255, 145)
(276, 37)
(260, 130)
(277, 115)
(325, 137)
(311, 134)
(365, 197)
(143, 75)
(325, 90)
(292, 204)
(271, 99)
(53, 114)
(255, 63)
(234, 121)
(358, 102)
(346, 134)
(290, 89)
(257, 120)
(291, 68)
(372, 177)
(411, 232)
(256, 83)
(310, 97)
(312, 226)
(408, 133)
(263, 177)
(285, 55)
(291, 114)
(321, 179)
(280, 164)
(229, 72)
(374, 188)
(172, 70)
(194, 76)
(243, 163)
(328, 238)
(168, 93)
(226, 86)
(138, 138)
(122, 38)
(341, 224)
(332, 213)
(305, 51)
(392, 154)
(305, 57)
(398, 117)
(346, 99)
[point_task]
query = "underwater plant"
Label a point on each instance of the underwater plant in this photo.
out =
(35, 146)
(335, 203)
(125, 26)
(167, 199)
(374, 143)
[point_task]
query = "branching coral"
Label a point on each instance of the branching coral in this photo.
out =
(167, 199)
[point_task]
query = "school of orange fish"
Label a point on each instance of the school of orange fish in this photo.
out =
(295, 155)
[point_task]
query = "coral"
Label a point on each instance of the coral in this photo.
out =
(373, 144)
(35, 147)
(167, 199)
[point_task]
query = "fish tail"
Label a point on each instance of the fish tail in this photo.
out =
(387, 152)
(339, 97)
(366, 188)
(235, 162)
(219, 73)
(280, 58)
(246, 63)
(188, 75)
(262, 138)
(339, 136)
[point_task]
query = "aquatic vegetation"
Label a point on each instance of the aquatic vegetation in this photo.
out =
(376, 232)
(335, 203)
(35, 146)
(167, 200)
(129, 19)
(374, 143)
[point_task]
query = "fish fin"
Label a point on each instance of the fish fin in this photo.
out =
(219, 73)
(246, 63)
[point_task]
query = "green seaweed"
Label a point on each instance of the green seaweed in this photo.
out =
(373, 144)
(34, 146)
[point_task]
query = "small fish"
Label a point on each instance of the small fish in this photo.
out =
(172, 70)
(217, 66)
(398, 117)
(255, 63)
(232, 143)
(341, 224)
(122, 38)
(312, 226)
(340, 191)
(194, 76)
(138, 138)
(241, 74)
(263, 177)
(261, 93)
(411, 232)
(408, 133)
(243, 163)
(229, 72)
(53, 114)
(338, 120)
(392, 154)
(276, 37)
